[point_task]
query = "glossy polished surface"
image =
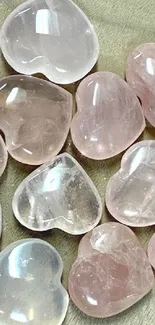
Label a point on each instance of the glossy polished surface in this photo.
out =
(130, 193)
(109, 117)
(3, 156)
(140, 74)
(53, 37)
(58, 195)
(35, 116)
(31, 291)
(111, 273)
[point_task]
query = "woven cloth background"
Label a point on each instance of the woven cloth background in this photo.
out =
(121, 25)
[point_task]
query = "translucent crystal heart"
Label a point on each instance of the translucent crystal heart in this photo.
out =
(130, 193)
(3, 156)
(111, 273)
(35, 116)
(109, 117)
(58, 195)
(30, 284)
(140, 74)
(54, 37)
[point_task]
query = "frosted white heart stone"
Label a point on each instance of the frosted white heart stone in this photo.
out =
(53, 37)
(30, 284)
(58, 195)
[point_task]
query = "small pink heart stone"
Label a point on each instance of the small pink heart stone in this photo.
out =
(140, 74)
(111, 273)
(151, 251)
(130, 193)
(109, 117)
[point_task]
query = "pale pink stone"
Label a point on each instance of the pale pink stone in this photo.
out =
(53, 37)
(3, 156)
(130, 193)
(151, 251)
(35, 116)
(111, 273)
(109, 117)
(140, 74)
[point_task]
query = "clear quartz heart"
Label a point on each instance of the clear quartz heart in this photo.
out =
(58, 195)
(35, 116)
(53, 37)
(30, 284)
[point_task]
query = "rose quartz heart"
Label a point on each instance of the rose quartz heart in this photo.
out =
(140, 74)
(109, 117)
(151, 251)
(3, 156)
(35, 116)
(130, 193)
(111, 273)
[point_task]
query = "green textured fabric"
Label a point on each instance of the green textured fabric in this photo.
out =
(121, 25)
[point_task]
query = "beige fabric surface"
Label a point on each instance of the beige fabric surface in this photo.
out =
(121, 25)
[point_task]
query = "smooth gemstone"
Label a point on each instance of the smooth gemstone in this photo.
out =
(151, 251)
(30, 284)
(54, 38)
(35, 116)
(1, 220)
(3, 156)
(109, 117)
(111, 272)
(58, 195)
(140, 74)
(130, 193)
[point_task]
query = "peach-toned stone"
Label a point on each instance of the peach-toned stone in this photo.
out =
(35, 117)
(109, 117)
(111, 273)
(140, 74)
(3, 156)
(130, 193)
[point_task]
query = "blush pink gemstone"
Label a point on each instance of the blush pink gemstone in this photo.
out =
(140, 74)
(109, 117)
(35, 116)
(111, 273)
(151, 251)
(130, 193)
(3, 156)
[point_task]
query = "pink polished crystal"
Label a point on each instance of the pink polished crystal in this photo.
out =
(140, 74)
(109, 117)
(151, 251)
(130, 193)
(35, 116)
(3, 156)
(111, 273)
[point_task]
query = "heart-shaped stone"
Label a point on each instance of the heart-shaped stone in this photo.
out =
(111, 273)
(130, 193)
(35, 116)
(109, 117)
(140, 74)
(30, 284)
(3, 156)
(54, 38)
(58, 195)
